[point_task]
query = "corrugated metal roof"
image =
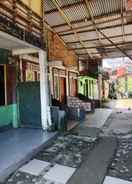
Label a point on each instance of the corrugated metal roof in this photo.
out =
(54, 19)
(101, 7)
(107, 15)
(49, 5)
(74, 13)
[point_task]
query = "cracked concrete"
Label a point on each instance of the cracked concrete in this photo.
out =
(94, 151)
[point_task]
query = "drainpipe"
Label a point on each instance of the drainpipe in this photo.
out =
(44, 91)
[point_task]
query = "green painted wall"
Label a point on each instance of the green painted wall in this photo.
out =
(81, 88)
(9, 115)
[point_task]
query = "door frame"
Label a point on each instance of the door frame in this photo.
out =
(5, 82)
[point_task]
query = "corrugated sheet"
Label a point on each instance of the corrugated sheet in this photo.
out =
(67, 2)
(107, 14)
(76, 12)
(54, 19)
(104, 7)
(49, 5)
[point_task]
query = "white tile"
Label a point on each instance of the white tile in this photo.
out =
(35, 167)
(112, 180)
(60, 174)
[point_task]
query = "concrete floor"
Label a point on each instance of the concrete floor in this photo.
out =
(121, 128)
(75, 151)
(121, 121)
(98, 118)
(117, 152)
(105, 129)
(18, 146)
(119, 104)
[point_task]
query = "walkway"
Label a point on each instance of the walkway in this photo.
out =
(98, 118)
(119, 104)
(96, 152)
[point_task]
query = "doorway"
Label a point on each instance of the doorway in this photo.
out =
(63, 90)
(2, 86)
(29, 104)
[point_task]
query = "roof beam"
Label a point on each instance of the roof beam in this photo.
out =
(93, 22)
(122, 21)
(84, 19)
(108, 45)
(108, 51)
(56, 3)
(99, 31)
(95, 39)
(119, 48)
(86, 26)
(92, 30)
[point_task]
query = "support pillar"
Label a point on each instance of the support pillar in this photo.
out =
(126, 84)
(67, 84)
(44, 91)
(100, 87)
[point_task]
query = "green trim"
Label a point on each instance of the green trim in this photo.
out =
(4, 54)
(9, 116)
(87, 86)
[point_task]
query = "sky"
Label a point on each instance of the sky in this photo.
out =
(116, 63)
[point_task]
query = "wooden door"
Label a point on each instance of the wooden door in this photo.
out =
(63, 90)
(74, 87)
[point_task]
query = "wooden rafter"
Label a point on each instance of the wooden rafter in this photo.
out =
(122, 21)
(93, 22)
(89, 25)
(114, 44)
(105, 45)
(93, 30)
(83, 20)
(98, 30)
(95, 39)
(69, 24)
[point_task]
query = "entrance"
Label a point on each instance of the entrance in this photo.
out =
(2, 86)
(63, 90)
(29, 104)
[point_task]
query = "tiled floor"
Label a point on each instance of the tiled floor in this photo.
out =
(111, 180)
(59, 174)
(56, 174)
(35, 167)
(17, 146)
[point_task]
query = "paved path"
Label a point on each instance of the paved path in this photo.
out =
(121, 121)
(98, 118)
(97, 159)
(93, 170)
(119, 104)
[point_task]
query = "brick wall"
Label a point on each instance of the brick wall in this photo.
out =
(57, 50)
